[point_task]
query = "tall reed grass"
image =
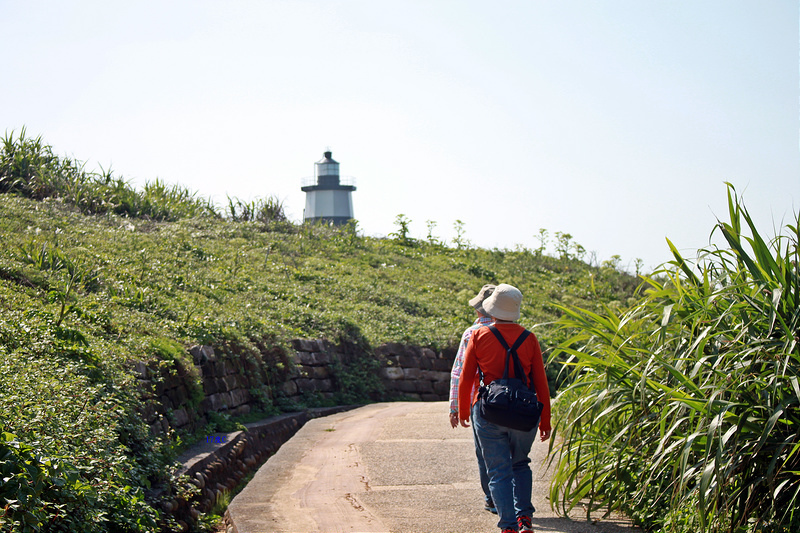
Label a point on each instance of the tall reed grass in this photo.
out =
(265, 210)
(684, 410)
(28, 167)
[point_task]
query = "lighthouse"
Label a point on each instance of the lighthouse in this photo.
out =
(328, 199)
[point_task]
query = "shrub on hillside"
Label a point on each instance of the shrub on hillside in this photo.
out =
(73, 456)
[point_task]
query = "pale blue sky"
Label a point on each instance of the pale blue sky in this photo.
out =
(614, 121)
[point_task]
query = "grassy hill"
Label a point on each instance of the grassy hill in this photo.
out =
(95, 276)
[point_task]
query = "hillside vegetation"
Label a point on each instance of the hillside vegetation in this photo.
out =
(95, 276)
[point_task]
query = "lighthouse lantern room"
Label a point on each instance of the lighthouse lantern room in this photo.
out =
(328, 198)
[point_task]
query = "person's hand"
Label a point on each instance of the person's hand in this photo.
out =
(454, 420)
(544, 434)
(464, 424)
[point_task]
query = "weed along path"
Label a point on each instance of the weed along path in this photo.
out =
(389, 467)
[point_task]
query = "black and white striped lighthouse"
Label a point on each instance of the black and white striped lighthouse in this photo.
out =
(328, 198)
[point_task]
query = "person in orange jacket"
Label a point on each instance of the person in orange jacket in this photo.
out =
(505, 450)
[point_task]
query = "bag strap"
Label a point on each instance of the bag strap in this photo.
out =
(507, 348)
(512, 352)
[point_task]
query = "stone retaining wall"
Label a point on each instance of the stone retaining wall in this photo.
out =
(183, 395)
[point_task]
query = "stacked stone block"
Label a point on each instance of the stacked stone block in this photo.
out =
(166, 396)
(415, 373)
(226, 381)
(313, 367)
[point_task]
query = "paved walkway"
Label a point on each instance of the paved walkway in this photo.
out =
(389, 467)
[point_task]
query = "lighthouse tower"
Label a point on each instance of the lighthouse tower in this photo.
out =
(328, 199)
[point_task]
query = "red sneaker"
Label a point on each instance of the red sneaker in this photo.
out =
(524, 523)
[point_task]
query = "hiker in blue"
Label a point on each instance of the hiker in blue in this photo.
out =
(455, 376)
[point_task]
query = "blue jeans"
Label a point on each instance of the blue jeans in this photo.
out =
(482, 469)
(505, 452)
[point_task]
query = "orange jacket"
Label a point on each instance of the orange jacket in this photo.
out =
(485, 350)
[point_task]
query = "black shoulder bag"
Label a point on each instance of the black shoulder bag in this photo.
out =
(510, 402)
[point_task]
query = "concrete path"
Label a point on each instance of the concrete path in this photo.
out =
(389, 467)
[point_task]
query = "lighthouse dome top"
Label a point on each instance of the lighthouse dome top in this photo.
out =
(327, 158)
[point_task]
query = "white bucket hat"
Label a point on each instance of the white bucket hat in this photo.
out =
(477, 302)
(504, 303)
